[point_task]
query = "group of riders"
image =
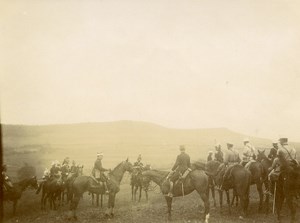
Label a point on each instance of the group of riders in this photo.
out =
(182, 166)
(281, 148)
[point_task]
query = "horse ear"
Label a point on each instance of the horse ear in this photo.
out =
(127, 159)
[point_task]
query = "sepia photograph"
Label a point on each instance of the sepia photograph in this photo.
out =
(139, 111)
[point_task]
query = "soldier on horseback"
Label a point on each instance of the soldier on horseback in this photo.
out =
(210, 156)
(98, 171)
(65, 169)
(7, 184)
(55, 169)
(288, 155)
(248, 153)
(219, 154)
(180, 169)
(273, 152)
(231, 158)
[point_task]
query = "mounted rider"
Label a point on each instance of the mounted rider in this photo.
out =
(55, 169)
(231, 158)
(210, 156)
(181, 169)
(98, 171)
(219, 156)
(248, 153)
(65, 168)
(286, 154)
(7, 184)
(273, 152)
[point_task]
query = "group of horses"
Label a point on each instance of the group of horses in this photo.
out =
(202, 179)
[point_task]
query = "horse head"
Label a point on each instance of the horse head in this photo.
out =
(33, 182)
(260, 155)
(127, 166)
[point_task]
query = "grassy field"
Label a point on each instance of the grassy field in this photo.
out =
(187, 209)
(38, 146)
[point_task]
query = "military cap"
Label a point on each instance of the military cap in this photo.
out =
(283, 140)
(181, 148)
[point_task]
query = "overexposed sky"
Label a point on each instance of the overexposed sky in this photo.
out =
(178, 63)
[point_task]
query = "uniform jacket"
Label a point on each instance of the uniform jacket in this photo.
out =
(248, 153)
(231, 156)
(219, 156)
(98, 168)
(182, 162)
(272, 154)
(288, 152)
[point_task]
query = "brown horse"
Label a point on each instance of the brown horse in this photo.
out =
(137, 183)
(88, 183)
(266, 164)
(288, 186)
(196, 180)
(52, 189)
(238, 179)
(15, 193)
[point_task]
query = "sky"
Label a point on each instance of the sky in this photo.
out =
(177, 63)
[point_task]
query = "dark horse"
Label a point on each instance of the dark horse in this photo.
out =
(238, 179)
(196, 180)
(288, 186)
(88, 183)
(137, 183)
(52, 189)
(259, 176)
(266, 164)
(15, 193)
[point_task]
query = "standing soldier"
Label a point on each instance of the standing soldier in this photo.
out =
(248, 152)
(99, 170)
(181, 165)
(219, 154)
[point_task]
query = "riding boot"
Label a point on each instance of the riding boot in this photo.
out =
(106, 188)
(170, 194)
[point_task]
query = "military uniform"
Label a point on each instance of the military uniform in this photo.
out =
(99, 170)
(248, 154)
(182, 164)
(219, 156)
(231, 156)
(273, 152)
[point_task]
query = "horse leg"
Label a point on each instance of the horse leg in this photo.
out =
(289, 200)
(169, 204)
(221, 199)
(97, 199)
(228, 201)
(266, 183)
(101, 200)
(213, 195)
(73, 206)
(140, 195)
(132, 191)
(14, 207)
(205, 199)
(135, 190)
(110, 206)
(260, 192)
(146, 192)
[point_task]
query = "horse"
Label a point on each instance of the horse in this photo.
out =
(88, 183)
(266, 164)
(196, 180)
(76, 171)
(15, 193)
(137, 183)
(288, 186)
(259, 176)
(52, 189)
(237, 178)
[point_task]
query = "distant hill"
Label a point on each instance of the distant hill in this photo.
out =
(118, 140)
(123, 132)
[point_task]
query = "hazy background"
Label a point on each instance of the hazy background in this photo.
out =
(182, 64)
